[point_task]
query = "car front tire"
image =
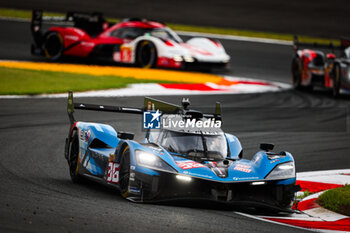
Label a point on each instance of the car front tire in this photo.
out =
(53, 46)
(296, 73)
(336, 81)
(146, 54)
(124, 172)
(73, 158)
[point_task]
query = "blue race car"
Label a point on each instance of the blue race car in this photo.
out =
(174, 163)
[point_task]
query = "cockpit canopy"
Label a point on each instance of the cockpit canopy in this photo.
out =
(197, 146)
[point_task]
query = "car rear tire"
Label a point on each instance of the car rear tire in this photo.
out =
(73, 158)
(124, 172)
(336, 81)
(296, 73)
(146, 54)
(53, 46)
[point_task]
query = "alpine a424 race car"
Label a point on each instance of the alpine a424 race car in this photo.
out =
(313, 67)
(195, 163)
(132, 41)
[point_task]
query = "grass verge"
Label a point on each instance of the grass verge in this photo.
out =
(337, 200)
(304, 194)
(30, 82)
(26, 14)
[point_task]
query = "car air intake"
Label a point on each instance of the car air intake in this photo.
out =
(318, 60)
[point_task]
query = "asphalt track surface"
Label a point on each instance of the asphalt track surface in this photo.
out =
(37, 195)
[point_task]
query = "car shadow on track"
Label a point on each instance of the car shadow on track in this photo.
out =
(92, 189)
(87, 188)
(212, 205)
(323, 93)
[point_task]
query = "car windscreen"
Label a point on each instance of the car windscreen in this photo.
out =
(134, 32)
(165, 34)
(211, 147)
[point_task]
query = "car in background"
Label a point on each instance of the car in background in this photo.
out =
(133, 41)
(316, 65)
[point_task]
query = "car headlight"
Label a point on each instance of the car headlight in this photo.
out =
(226, 60)
(177, 58)
(152, 161)
(188, 58)
(282, 171)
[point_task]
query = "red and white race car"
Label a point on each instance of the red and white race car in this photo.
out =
(133, 41)
(316, 65)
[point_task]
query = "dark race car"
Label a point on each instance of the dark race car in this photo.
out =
(132, 41)
(316, 65)
(192, 159)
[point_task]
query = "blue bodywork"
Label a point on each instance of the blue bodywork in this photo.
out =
(260, 165)
(100, 146)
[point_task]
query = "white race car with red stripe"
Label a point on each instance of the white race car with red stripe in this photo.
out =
(133, 41)
(152, 44)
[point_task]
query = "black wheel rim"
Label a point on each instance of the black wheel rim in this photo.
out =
(124, 172)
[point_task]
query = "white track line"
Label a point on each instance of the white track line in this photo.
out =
(237, 38)
(320, 173)
(318, 213)
(154, 89)
(332, 176)
(184, 33)
(278, 223)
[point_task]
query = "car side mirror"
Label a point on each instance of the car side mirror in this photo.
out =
(330, 56)
(126, 135)
(266, 146)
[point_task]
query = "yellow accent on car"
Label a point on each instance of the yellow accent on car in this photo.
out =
(111, 158)
(77, 168)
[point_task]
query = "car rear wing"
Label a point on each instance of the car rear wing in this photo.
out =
(150, 104)
(344, 43)
(93, 23)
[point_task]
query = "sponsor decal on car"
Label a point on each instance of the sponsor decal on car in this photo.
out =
(245, 178)
(125, 53)
(71, 37)
(116, 56)
(243, 168)
(85, 135)
(113, 172)
(189, 164)
(274, 161)
(134, 190)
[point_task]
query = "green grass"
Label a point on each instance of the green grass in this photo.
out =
(305, 194)
(337, 200)
(190, 28)
(27, 82)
